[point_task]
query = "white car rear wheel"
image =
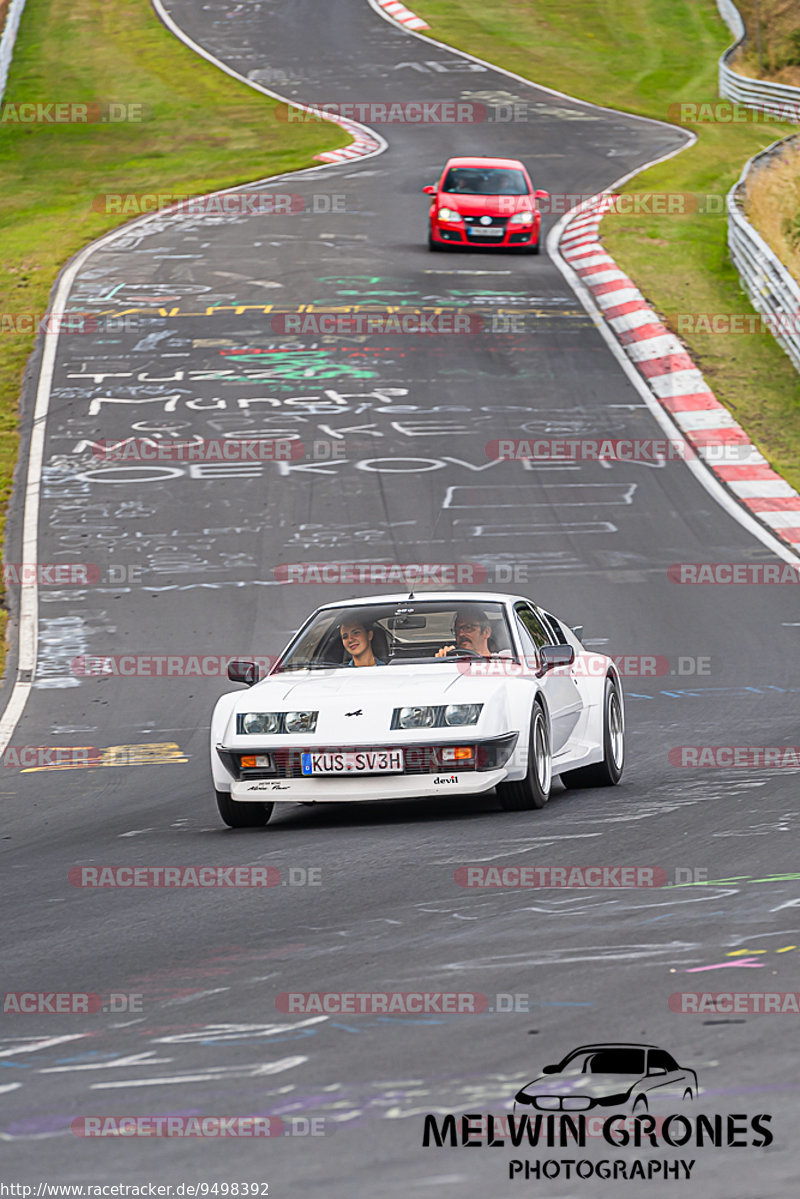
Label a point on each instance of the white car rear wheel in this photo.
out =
(608, 772)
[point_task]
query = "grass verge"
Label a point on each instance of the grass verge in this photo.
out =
(644, 58)
(772, 204)
(201, 131)
(772, 49)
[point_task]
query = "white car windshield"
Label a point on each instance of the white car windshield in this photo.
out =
(396, 633)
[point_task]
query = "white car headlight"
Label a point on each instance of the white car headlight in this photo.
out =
(416, 718)
(260, 722)
(448, 214)
(521, 218)
(301, 722)
(462, 714)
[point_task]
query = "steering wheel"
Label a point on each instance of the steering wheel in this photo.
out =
(472, 652)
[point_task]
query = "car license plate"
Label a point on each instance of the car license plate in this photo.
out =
(477, 231)
(367, 761)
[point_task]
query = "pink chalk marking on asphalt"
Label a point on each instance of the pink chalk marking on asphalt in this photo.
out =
(750, 962)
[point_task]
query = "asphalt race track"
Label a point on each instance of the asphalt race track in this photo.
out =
(194, 554)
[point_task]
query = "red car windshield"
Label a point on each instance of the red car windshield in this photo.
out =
(482, 181)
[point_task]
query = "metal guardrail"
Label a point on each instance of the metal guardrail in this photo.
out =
(7, 39)
(772, 290)
(777, 98)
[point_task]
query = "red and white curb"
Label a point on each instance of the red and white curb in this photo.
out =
(362, 144)
(678, 386)
(366, 141)
(403, 15)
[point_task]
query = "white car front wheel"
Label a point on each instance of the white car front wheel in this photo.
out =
(243, 815)
(533, 791)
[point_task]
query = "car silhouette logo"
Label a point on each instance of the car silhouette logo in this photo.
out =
(611, 1075)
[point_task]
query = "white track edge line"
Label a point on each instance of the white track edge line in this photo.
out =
(8, 38)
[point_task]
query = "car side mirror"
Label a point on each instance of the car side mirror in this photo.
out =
(550, 1070)
(657, 1070)
(541, 195)
(555, 655)
(242, 671)
(430, 189)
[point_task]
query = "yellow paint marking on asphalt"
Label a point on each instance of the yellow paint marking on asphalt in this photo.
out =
(738, 953)
(475, 303)
(156, 753)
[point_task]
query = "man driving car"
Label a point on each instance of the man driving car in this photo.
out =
(472, 631)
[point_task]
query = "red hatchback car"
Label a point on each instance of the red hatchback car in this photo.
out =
(485, 202)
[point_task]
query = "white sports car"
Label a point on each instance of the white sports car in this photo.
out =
(397, 697)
